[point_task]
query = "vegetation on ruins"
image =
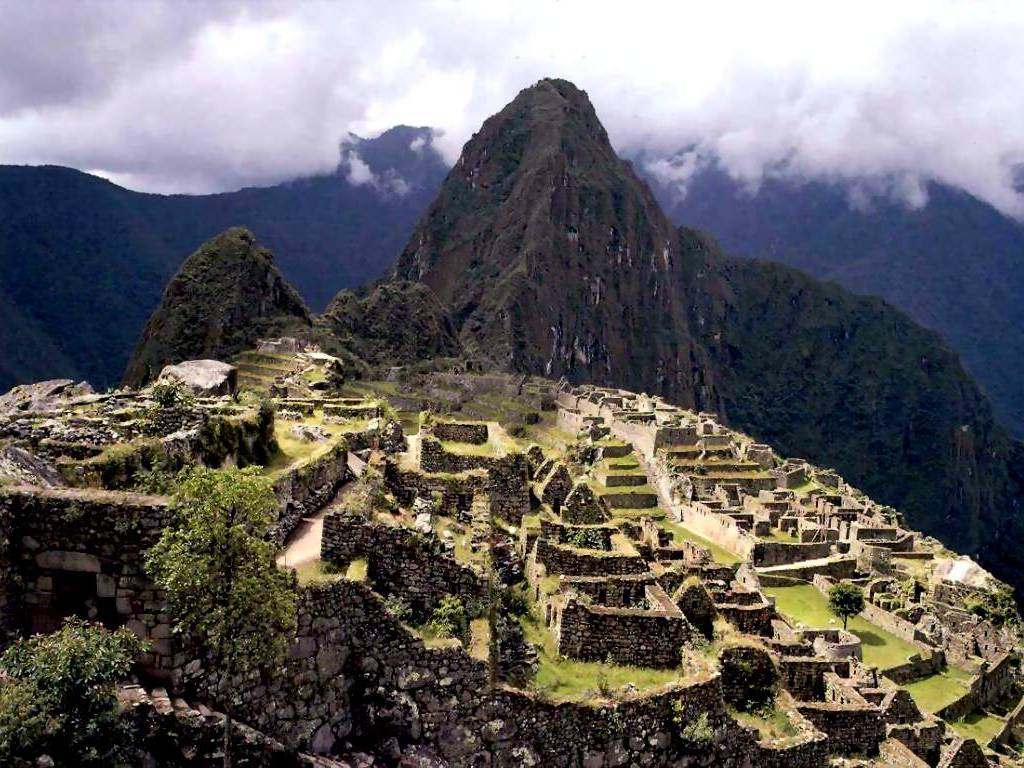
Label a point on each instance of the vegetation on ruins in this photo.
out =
(217, 568)
(172, 394)
(59, 696)
(586, 538)
(845, 600)
(449, 619)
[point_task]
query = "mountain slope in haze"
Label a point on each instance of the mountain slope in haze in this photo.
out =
(225, 296)
(955, 265)
(554, 258)
(83, 261)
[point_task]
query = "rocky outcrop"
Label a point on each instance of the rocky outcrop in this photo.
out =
(225, 296)
(204, 377)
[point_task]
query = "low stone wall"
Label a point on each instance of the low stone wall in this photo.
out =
(985, 688)
(74, 550)
(811, 751)
(305, 489)
(410, 565)
(783, 575)
(916, 667)
(643, 638)
(719, 529)
(804, 677)
(769, 553)
(508, 487)
(460, 432)
(755, 619)
(852, 729)
(434, 458)
(898, 626)
(923, 738)
(558, 559)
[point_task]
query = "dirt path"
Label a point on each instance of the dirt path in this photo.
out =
(303, 546)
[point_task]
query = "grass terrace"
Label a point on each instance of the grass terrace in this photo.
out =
(806, 605)
(565, 679)
(933, 692)
(682, 533)
(979, 726)
(771, 726)
(292, 450)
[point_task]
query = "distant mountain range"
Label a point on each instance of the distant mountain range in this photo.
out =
(83, 261)
(955, 265)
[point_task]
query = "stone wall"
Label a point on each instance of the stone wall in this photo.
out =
(557, 559)
(410, 565)
(985, 688)
(434, 458)
(80, 551)
(852, 729)
(804, 677)
(643, 638)
(460, 432)
(305, 489)
(508, 487)
(769, 553)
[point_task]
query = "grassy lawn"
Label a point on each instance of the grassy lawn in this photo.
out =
(979, 726)
(682, 533)
(291, 450)
(807, 605)
(356, 570)
(479, 639)
(934, 692)
(772, 726)
(314, 572)
(559, 678)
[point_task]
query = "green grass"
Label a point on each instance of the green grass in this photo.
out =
(979, 726)
(771, 726)
(291, 450)
(315, 572)
(807, 605)
(356, 570)
(934, 692)
(480, 639)
(682, 533)
(559, 678)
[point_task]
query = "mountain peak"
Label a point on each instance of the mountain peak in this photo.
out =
(226, 295)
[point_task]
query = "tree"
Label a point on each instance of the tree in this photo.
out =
(845, 600)
(217, 568)
(59, 695)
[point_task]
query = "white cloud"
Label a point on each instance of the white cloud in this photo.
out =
(225, 94)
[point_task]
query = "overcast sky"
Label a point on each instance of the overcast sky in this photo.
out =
(208, 96)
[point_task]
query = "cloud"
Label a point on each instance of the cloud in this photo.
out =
(359, 174)
(172, 96)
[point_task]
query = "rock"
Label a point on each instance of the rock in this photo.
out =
(43, 395)
(20, 466)
(423, 522)
(204, 377)
(309, 433)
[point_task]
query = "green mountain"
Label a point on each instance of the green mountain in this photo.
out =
(554, 258)
(83, 261)
(955, 265)
(225, 296)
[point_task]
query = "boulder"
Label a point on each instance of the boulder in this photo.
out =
(43, 395)
(309, 433)
(204, 377)
(19, 466)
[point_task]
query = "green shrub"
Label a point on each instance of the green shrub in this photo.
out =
(696, 734)
(586, 538)
(449, 619)
(173, 394)
(397, 607)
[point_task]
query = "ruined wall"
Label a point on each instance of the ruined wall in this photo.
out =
(401, 562)
(768, 553)
(563, 559)
(81, 551)
(434, 458)
(644, 638)
(852, 729)
(305, 489)
(508, 487)
(985, 688)
(460, 432)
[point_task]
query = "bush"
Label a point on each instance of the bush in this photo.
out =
(449, 619)
(173, 394)
(397, 607)
(515, 602)
(586, 538)
(60, 698)
(696, 734)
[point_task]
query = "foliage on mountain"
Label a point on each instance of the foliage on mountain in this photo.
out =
(225, 296)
